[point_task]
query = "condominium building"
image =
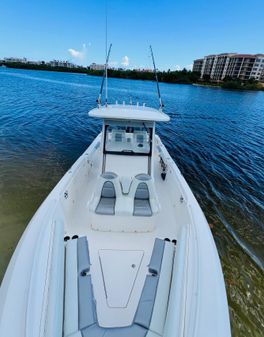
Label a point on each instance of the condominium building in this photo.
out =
(220, 66)
(95, 66)
(197, 65)
(257, 71)
(242, 66)
(64, 64)
(215, 66)
(15, 60)
(207, 65)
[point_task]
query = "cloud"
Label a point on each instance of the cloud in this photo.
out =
(113, 64)
(189, 66)
(79, 54)
(125, 61)
(177, 67)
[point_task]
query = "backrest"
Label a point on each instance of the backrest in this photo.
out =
(142, 188)
(142, 192)
(108, 190)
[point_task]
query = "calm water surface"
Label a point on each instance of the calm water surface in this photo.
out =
(216, 138)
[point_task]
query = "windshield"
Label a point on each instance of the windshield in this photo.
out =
(128, 139)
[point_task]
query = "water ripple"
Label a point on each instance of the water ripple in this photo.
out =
(215, 137)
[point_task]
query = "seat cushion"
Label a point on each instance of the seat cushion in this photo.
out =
(133, 330)
(108, 190)
(87, 309)
(146, 303)
(142, 208)
(83, 255)
(142, 192)
(106, 206)
(157, 256)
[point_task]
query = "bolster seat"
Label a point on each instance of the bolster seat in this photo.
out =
(141, 201)
(107, 201)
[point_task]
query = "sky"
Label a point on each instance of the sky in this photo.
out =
(178, 30)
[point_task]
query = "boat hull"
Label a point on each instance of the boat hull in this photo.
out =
(31, 294)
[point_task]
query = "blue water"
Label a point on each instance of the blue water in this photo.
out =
(215, 136)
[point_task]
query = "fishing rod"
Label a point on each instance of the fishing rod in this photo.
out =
(103, 79)
(156, 77)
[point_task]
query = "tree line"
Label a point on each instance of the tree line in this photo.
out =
(183, 76)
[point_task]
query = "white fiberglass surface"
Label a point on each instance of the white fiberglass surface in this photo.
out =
(171, 216)
(167, 222)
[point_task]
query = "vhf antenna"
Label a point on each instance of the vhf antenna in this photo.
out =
(156, 77)
(103, 79)
(107, 54)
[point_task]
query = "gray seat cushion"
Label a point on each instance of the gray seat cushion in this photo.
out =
(83, 255)
(106, 206)
(87, 309)
(146, 303)
(108, 190)
(107, 201)
(128, 331)
(86, 302)
(142, 208)
(156, 257)
(148, 295)
(142, 192)
(141, 202)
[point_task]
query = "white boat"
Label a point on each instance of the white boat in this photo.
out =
(119, 248)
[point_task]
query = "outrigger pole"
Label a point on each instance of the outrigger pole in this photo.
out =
(156, 77)
(107, 54)
(103, 79)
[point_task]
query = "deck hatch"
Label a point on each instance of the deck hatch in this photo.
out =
(119, 271)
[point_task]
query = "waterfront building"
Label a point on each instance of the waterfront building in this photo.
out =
(142, 70)
(241, 66)
(38, 63)
(215, 66)
(146, 70)
(64, 64)
(15, 60)
(95, 66)
(197, 65)
(219, 66)
(258, 68)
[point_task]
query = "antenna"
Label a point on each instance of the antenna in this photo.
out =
(103, 79)
(106, 55)
(156, 77)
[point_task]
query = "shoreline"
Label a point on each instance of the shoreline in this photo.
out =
(258, 87)
(170, 77)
